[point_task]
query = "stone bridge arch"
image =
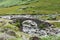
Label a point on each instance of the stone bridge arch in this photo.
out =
(38, 22)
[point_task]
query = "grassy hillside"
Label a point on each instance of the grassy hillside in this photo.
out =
(29, 7)
(7, 3)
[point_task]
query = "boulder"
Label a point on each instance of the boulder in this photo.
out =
(34, 38)
(11, 33)
(5, 36)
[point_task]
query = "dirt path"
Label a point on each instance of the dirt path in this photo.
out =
(51, 21)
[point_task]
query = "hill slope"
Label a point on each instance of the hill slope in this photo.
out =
(29, 7)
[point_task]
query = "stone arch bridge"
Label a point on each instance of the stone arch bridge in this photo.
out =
(37, 22)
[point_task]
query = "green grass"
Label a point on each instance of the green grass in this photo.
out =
(30, 7)
(56, 24)
(51, 38)
(7, 3)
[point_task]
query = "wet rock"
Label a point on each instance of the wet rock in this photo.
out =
(5, 36)
(34, 38)
(51, 33)
(56, 30)
(42, 33)
(10, 32)
(2, 38)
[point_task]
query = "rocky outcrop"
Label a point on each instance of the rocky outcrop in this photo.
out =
(8, 31)
(5, 36)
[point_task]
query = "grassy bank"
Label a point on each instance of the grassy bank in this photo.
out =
(30, 7)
